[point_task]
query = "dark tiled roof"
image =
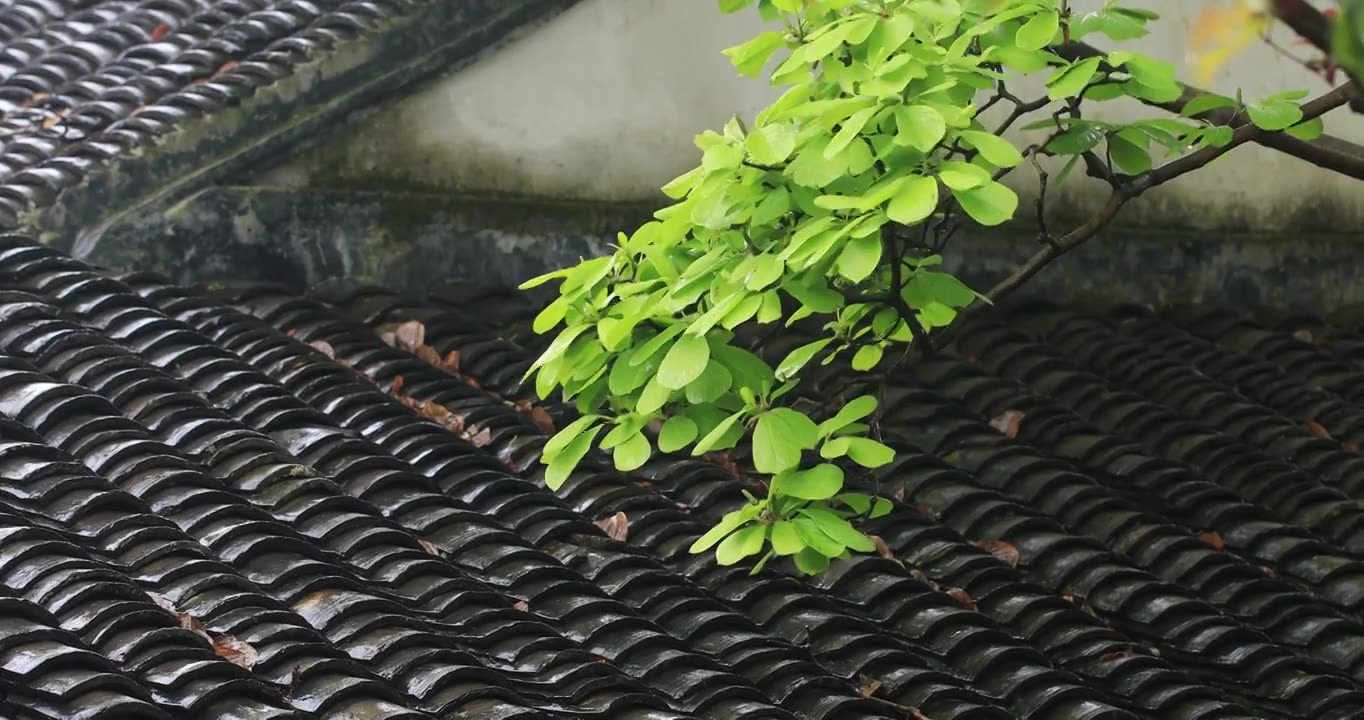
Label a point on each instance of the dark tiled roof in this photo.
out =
(1181, 494)
(85, 83)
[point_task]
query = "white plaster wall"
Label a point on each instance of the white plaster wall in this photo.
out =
(602, 103)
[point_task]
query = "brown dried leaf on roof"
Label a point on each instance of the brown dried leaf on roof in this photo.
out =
(451, 361)
(616, 527)
(410, 335)
(398, 383)
(962, 597)
(537, 414)
(1003, 551)
(160, 32)
(234, 651)
(163, 602)
(479, 439)
(1007, 423)
(1316, 428)
(522, 605)
(324, 347)
(1117, 655)
(428, 355)
(225, 67)
(1212, 538)
(867, 686)
(430, 547)
(191, 623)
(883, 549)
(726, 461)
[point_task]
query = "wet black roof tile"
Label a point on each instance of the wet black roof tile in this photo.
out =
(1181, 495)
(84, 82)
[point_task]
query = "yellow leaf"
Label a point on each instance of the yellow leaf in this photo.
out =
(1220, 33)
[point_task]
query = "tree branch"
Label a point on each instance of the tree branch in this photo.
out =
(1327, 152)
(1313, 26)
(1133, 188)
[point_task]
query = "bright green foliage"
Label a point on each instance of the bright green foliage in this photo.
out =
(811, 212)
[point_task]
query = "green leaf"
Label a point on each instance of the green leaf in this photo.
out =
(919, 127)
(998, 151)
(811, 561)
(840, 530)
(1130, 158)
(860, 258)
(654, 396)
(632, 453)
(1310, 130)
(722, 157)
(684, 362)
(732, 6)
(867, 357)
(728, 524)
(990, 204)
(1069, 81)
(881, 508)
(785, 539)
(676, 433)
(655, 344)
(1038, 32)
(820, 482)
(816, 539)
(771, 144)
(796, 359)
(551, 316)
(568, 434)
(713, 383)
(750, 57)
(854, 410)
(718, 433)
(916, 200)
(736, 547)
(563, 463)
(869, 453)
(959, 175)
(779, 438)
(1274, 115)
(848, 132)
(1206, 103)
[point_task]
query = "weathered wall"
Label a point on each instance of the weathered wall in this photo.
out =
(603, 102)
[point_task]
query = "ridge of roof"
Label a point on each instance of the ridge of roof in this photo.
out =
(105, 104)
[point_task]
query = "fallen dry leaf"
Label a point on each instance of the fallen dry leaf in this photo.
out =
(1212, 538)
(1316, 428)
(522, 605)
(430, 547)
(883, 549)
(726, 461)
(398, 383)
(428, 355)
(1007, 423)
(234, 651)
(225, 67)
(410, 335)
(542, 420)
(160, 32)
(451, 361)
(926, 510)
(1004, 552)
(1219, 33)
(867, 686)
(616, 527)
(1082, 603)
(163, 602)
(962, 597)
(1117, 655)
(479, 439)
(191, 623)
(324, 347)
